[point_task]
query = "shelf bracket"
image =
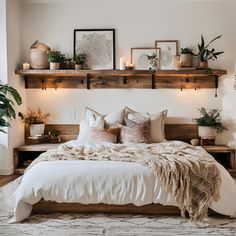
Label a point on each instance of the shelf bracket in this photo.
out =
(124, 79)
(26, 81)
(88, 81)
(153, 80)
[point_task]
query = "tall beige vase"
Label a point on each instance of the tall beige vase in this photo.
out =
(39, 56)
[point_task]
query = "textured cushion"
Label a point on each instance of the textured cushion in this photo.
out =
(109, 135)
(91, 134)
(135, 132)
(109, 120)
(157, 124)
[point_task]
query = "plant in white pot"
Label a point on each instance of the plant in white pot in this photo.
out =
(204, 54)
(35, 120)
(209, 123)
(186, 57)
(80, 60)
(55, 58)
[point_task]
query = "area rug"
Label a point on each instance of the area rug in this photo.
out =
(104, 225)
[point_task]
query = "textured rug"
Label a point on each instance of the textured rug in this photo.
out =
(104, 225)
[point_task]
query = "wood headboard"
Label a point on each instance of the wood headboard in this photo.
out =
(183, 132)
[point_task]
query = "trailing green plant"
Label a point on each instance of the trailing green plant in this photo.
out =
(211, 118)
(153, 60)
(205, 54)
(55, 56)
(187, 51)
(34, 117)
(80, 59)
(7, 105)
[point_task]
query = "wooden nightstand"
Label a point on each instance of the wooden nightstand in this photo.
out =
(225, 155)
(25, 153)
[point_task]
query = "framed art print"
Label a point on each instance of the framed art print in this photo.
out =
(169, 49)
(98, 45)
(139, 57)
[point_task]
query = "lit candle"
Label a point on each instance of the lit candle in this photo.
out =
(122, 63)
(26, 66)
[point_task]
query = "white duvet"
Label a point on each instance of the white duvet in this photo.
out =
(110, 182)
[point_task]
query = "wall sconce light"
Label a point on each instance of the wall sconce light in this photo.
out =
(43, 85)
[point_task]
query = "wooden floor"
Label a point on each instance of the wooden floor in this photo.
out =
(5, 179)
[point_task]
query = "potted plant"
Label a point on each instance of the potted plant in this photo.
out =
(35, 120)
(209, 123)
(80, 59)
(186, 57)
(204, 54)
(6, 105)
(153, 61)
(55, 58)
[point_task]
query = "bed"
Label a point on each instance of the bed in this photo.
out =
(60, 183)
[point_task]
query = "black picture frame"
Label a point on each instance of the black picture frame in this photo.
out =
(99, 30)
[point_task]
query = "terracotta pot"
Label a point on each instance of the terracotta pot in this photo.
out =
(78, 67)
(203, 64)
(54, 66)
(39, 56)
(36, 129)
(186, 60)
(206, 132)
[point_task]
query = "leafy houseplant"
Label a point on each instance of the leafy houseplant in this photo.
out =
(186, 57)
(55, 58)
(209, 123)
(204, 54)
(35, 120)
(80, 60)
(6, 105)
(154, 61)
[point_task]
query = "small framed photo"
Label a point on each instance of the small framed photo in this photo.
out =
(169, 49)
(98, 45)
(139, 58)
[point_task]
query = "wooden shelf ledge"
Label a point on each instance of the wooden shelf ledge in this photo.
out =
(83, 79)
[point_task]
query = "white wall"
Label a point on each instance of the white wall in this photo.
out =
(3, 78)
(138, 24)
(10, 24)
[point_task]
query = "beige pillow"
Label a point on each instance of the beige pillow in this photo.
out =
(135, 132)
(157, 124)
(109, 120)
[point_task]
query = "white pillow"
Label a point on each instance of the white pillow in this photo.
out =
(157, 125)
(83, 131)
(108, 120)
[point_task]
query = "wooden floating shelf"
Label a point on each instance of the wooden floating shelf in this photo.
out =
(94, 79)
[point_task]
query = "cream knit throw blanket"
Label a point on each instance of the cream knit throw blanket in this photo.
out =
(188, 173)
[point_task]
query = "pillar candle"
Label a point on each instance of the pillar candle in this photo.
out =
(122, 63)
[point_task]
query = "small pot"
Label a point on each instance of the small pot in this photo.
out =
(206, 132)
(54, 66)
(186, 60)
(78, 67)
(203, 64)
(36, 129)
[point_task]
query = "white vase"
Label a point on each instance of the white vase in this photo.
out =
(78, 67)
(54, 66)
(206, 132)
(37, 129)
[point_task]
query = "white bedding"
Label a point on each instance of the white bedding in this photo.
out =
(110, 182)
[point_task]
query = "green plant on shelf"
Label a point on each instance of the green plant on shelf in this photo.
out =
(204, 53)
(55, 56)
(80, 58)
